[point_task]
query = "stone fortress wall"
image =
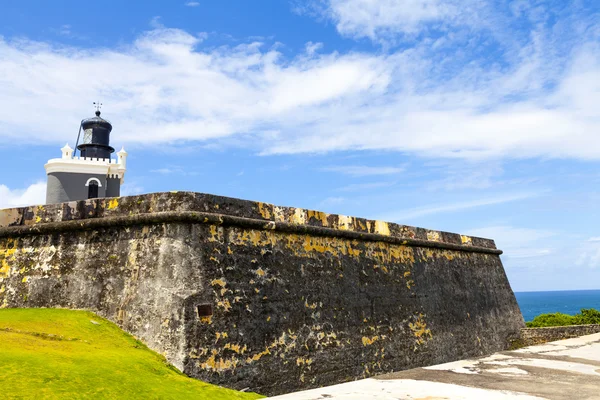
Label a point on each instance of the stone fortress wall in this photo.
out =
(250, 295)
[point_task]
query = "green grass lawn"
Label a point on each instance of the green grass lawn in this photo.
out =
(62, 354)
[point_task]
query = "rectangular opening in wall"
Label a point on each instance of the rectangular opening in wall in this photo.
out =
(205, 310)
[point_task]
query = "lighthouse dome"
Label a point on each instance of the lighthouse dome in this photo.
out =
(96, 137)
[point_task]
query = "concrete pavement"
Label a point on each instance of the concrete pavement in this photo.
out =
(566, 369)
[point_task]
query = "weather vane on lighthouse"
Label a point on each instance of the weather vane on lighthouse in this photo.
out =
(98, 106)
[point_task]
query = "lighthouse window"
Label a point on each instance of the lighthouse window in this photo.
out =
(93, 190)
(87, 136)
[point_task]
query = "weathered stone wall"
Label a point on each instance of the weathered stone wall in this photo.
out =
(247, 294)
(533, 336)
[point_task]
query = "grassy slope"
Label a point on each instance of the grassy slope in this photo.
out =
(50, 353)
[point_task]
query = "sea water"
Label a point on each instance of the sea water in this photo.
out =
(567, 302)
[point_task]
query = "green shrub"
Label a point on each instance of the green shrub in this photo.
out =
(585, 317)
(588, 316)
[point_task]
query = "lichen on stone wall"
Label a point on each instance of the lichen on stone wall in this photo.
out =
(248, 294)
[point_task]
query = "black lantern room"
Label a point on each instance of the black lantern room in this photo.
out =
(96, 138)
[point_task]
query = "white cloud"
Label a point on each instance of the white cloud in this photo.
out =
(33, 194)
(416, 100)
(174, 169)
(517, 242)
(594, 239)
(332, 201)
(588, 254)
(363, 170)
(192, 4)
(312, 48)
(153, 87)
(452, 207)
(131, 189)
(373, 18)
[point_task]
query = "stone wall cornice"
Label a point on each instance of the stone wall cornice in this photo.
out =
(196, 217)
(189, 207)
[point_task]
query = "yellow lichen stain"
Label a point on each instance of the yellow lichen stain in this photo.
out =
(265, 210)
(229, 251)
(218, 282)
(235, 348)
(311, 306)
(449, 255)
(219, 365)
(224, 304)
(367, 341)
(382, 228)
(403, 254)
(303, 361)
(206, 320)
(268, 318)
(409, 283)
(279, 214)
(214, 260)
(260, 272)
(220, 335)
(351, 248)
(216, 234)
(38, 219)
(427, 254)
(114, 203)
(466, 240)
(420, 330)
(6, 255)
(25, 279)
(434, 236)
(362, 226)
(315, 244)
(258, 356)
(319, 216)
(430, 253)
(298, 217)
(345, 223)
(257, 238)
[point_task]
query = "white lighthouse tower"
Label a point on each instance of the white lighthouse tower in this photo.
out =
(93, 173)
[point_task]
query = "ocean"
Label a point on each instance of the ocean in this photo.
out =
(567, 302)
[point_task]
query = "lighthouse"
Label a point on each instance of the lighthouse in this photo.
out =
(92, 174)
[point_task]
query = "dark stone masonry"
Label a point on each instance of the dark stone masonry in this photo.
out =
(533, 336)
(250, 295)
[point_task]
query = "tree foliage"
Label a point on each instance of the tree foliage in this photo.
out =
(585, 317)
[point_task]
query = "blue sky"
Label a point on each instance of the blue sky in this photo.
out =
(477, 117)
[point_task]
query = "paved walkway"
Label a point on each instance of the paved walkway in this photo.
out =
(566, 369)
